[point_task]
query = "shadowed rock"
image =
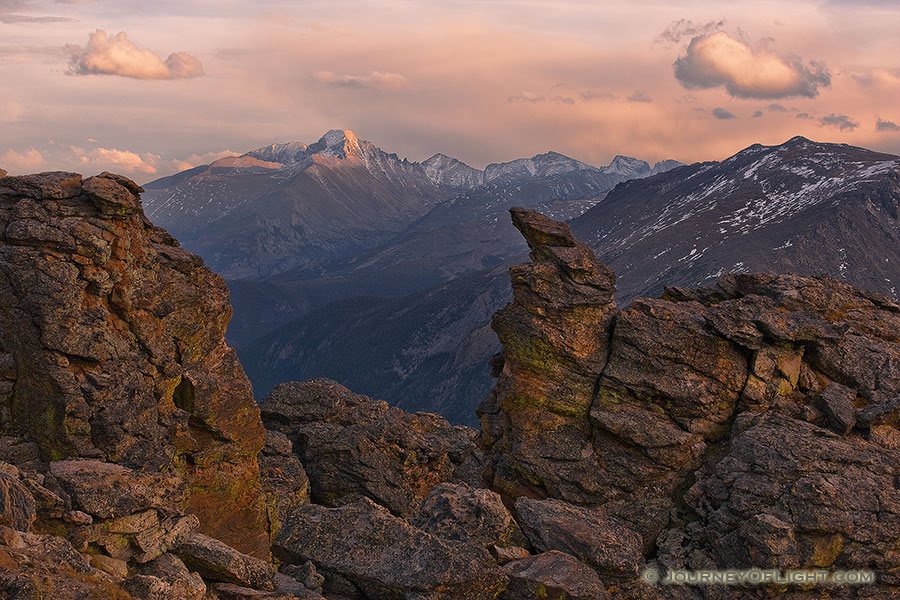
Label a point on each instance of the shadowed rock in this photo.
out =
(385, 557)
(352, 446)
(552, 575)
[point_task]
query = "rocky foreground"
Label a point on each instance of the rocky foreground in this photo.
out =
(754, 423)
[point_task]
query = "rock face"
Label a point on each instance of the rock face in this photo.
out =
(750, 423)
(112, 347)
(352, 446)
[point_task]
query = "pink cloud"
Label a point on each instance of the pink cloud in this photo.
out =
(117, 55)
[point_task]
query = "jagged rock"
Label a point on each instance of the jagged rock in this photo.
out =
(220, 562)
(385, 557)
(118, 352)
(460, 512)
(108, 490)
(552, 575)
(352, 446)
(17, 507)
(554, 345)
(836, 403)
(283, 479)
(604, 543)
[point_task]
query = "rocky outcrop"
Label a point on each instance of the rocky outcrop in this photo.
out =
(353, 447)
(112, 348)
(555, 341)
(751, 423)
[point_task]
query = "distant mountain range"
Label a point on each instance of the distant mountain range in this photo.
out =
(295, 226)
(294, 207)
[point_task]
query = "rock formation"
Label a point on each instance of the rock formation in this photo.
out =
(751, 423)
(113, 347)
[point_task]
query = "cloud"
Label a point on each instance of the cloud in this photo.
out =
(117, 55)
(803, 115)
(723, 114)
(775, 107)
(375, 79)
(718, 59)
(527, 96)
(7, 18)
(639, 96)
(886, 125)
(142, 166)
(11, 112)
(879, 78)
(757, 114)
(684, 28)
(842, 122)
(21, 161)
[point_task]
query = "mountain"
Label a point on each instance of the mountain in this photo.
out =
(462, 234)
(290, 205)
(800, 207)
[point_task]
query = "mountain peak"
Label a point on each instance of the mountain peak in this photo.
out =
(340, 143)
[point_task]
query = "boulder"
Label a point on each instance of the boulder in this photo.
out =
(552, 575)
(108, 490)
(461, 512)
(220, 562)
(386, 557)
(180, 583)
(604, 543)
(352, 446)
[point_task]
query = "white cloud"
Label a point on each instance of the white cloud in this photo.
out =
(718, 59)
(117, 55)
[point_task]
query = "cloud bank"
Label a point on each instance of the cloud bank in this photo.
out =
(718, 59)
(117, 55)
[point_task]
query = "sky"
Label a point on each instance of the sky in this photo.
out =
(150, 88)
